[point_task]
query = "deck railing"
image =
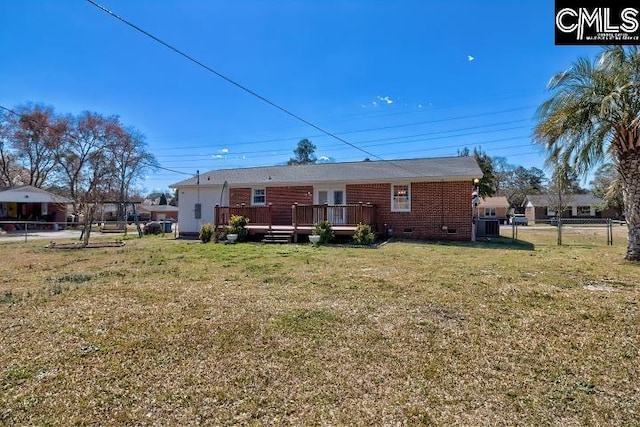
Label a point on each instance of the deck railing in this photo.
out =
(351, 214)
(257, 215)
(301, 215)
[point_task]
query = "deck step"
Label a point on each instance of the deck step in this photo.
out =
(277, 238)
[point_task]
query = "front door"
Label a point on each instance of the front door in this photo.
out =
(334, 199)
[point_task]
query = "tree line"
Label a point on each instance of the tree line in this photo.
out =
(515, 182)
(90, 158)
(87, 157)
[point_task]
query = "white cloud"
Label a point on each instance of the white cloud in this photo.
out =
(224, 150)
(218, 156)
(374, 103)
(419, 105)
(470, 58)
(386, 99)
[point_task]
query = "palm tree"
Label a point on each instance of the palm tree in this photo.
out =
(594, 113)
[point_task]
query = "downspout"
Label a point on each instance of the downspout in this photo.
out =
(222, 192)
(215, 212)
(441, 205)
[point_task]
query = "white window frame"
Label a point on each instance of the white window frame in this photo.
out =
(253, 196)
(584, 208)
(490, 211)
(393, 197)
(330, 195)
(551, 211)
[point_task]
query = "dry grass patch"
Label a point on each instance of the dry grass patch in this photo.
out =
(174, 332)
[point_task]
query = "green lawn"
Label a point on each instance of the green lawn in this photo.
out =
(165, 332)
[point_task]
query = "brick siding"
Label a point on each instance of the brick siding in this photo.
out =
(437, 208)
(238, 196)
(434, 205)
(281, 199)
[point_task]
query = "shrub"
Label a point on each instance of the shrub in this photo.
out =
(206, 232)
(237, 225)
(325, 231)
(363, 235)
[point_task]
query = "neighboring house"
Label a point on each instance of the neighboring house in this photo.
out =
(24, 202)
(494, 208)
(418, 198)
(158, 212)
(543, 207)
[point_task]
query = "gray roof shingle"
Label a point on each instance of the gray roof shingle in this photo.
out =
(542, 200)
(364, 171)
(30, 194)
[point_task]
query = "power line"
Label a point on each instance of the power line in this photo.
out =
(428, 149)
(264, 141)
(369, 115)
(328, 147)
(242, 87)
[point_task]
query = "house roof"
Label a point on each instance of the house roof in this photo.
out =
(542, 200)
(30, 194)
(365, 171)
(496, 201)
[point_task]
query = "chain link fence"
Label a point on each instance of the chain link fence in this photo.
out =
(46, 229)
(569, 231)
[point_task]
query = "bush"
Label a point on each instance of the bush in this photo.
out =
(325, 231)
(237, 225)
(363, 235)
(206, 232)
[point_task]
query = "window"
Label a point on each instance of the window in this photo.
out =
(400, 198)
(584, 211)
(489, 211)
(551, 211)
(259, 196)
(338, 197)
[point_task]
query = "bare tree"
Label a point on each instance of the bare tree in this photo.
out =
(87, 163)
(91, 156)
(35, 136)
(91, 134)
(131, 161)
(9, 169)
(560, 196)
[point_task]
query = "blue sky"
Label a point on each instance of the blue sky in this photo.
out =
(400, 79)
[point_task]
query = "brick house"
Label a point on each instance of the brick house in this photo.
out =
(415, 198)
(158, 212)
(496, 207)
(540, 207)
(25, 202)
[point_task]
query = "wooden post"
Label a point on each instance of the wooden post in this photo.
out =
(269, 213)
(294, 221)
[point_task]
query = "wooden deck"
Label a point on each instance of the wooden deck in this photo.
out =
(344, 219)
(301, 229)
